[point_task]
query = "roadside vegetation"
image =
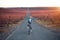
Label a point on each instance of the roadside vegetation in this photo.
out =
(8, 23)
(49, 19)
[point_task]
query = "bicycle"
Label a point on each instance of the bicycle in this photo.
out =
(29, 29)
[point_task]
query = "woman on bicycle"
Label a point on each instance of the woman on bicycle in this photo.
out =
(29, 24)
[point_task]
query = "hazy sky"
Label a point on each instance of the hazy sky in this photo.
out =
(29, 3)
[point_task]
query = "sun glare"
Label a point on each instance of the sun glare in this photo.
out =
(58, 8)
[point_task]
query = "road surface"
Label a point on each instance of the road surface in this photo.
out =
(39, 32)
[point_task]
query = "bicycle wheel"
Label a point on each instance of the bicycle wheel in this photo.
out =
(29, 32)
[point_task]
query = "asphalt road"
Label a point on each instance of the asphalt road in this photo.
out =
(38, 32)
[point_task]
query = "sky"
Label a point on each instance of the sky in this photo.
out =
(29, 3)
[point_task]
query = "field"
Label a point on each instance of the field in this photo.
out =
(49, 18)
(9, 18)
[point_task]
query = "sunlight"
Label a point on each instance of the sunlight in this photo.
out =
(29, 3)
(58, 8)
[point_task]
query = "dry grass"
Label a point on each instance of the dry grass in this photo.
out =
(47, 24)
